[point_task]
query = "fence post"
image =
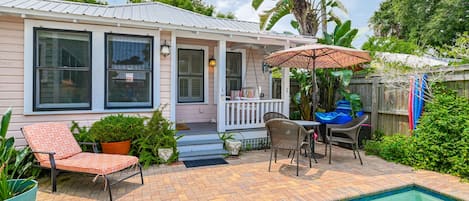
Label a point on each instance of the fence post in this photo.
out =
(374, 104)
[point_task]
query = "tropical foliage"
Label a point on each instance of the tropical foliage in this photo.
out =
(13, 163)
(343, 35)
(427, 23)
(303, 98)
(331, 80)
(308, 17)
(158, 133)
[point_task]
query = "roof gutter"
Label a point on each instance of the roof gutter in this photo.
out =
(37, 14)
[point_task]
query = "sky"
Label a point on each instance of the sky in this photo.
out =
(359, 11)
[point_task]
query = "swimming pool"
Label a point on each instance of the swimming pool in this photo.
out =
(407, 193)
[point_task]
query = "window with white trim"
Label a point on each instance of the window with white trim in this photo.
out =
(62, 70)
(129, 65)
(190, 76)
(234, 71)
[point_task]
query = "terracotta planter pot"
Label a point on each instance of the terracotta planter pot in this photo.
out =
(122, 148)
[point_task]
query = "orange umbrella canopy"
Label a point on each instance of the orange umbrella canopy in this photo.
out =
(317, 56)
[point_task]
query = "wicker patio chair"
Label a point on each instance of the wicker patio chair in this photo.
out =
(350, 132)
(288, 135)
(272, 115)
(56, 149)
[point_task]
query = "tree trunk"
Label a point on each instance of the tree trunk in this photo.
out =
(324, 16)
(306, 17)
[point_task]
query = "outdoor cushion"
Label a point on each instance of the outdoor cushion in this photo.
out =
(94, 163)
(51, 137)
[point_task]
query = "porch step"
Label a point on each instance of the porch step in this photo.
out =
(204, 154)
(183, 142)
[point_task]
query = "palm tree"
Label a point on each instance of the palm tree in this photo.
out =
(308, 14)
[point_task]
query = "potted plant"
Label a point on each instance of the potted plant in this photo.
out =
(13, 166)
(115, 132)
(157, 145)
(230, 143)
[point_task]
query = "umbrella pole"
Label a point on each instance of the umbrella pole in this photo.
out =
(315, 90)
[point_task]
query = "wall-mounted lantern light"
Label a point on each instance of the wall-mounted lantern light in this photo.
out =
(212, 62)
(165, 50)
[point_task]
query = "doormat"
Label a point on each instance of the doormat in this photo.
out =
(204, 162)
(182, 126)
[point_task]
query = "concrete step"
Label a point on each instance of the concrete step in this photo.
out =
(198, 142)
(204, 154)
(200, 147)
(199, 137)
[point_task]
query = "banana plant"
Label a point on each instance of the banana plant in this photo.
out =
(307, 16)
(344, 77)
(302, 99)
(329, 83)
(13, 162)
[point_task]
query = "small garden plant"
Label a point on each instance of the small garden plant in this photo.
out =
(158, 133)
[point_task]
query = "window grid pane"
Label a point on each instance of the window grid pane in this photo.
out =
(62, 70)
(233, 72)
(190, 75)
(129, 71)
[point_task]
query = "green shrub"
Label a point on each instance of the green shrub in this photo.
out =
(82, 134)
(442, 135)
(159, 133)
(395, 148)
(372, 147)
(439, 143)
(391, 148)
(117, 128)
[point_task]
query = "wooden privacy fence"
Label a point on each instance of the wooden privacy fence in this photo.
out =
(387, 106)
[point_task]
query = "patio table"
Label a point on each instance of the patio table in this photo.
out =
(315, 125)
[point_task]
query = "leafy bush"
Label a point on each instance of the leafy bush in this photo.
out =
(82, 134)
(440, 141)
(442, 135)
(392, 148)
(158, 133)
(117, 128)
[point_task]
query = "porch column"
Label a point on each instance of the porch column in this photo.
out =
(286, 87)
(221, 74)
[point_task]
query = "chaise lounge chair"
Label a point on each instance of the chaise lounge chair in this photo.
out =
(55, 148)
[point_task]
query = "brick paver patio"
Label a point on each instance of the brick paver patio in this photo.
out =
(247, 178)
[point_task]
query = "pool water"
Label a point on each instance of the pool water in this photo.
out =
(409, 193)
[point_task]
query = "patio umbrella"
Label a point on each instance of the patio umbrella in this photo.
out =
(316, 56)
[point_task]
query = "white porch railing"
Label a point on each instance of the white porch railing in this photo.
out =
(242, 114)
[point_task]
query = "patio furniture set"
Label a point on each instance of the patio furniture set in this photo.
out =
(292, 135)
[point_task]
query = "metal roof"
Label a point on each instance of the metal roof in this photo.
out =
(142, 12)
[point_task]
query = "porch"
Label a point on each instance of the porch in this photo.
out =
(225, 83)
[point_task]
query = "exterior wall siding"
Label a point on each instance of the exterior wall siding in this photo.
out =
(12, 78)
(12, 83)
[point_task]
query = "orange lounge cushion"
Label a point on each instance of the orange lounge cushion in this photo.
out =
(100, 164)
(51, 137)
